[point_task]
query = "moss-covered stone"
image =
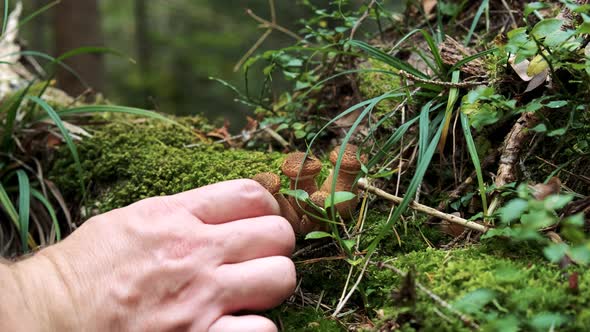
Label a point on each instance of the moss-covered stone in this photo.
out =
(125, 162)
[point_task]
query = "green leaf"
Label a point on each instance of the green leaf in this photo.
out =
(501, 231)
(300, 195)
(338, 197)
(318, 235)
(531, 7)
(513, 210)
(546, 27)
(555, 251)
(557, 132)
(349, 244)
(556, 104)
(548, 321)
(474, 301)
(580, 254)
(540, 128)
(24, 206)
(557, 202)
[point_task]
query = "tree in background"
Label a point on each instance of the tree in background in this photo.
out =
(78, 24)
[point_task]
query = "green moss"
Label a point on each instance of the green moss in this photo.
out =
(125, 162)
(303, 319)
(375, 84)
(524, 290)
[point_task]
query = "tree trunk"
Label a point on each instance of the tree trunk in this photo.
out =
(78, 24)
(142, 40)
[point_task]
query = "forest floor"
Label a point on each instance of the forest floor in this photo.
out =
(474, 208)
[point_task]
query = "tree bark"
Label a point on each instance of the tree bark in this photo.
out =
(78, 24)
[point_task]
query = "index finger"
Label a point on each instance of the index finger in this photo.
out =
(228, 201)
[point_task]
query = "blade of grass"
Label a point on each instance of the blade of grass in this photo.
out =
(468, 59)
(379, 55)
(37, 13)
(484, 6)
(111, 109)
(5, 18)
(11, 108)
(8, 206)
(410, 192)
(475, 159)
(24, 206)
(453, 97)
(66, 135)
(43, 200)
(424, 132)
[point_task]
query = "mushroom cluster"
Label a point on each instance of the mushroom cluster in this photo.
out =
(302, 171)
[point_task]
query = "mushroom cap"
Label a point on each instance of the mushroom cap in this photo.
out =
(349, 161)
(292, 165)
(319, 198)
(270, 181)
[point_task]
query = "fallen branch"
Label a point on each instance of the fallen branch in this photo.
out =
(513, 144)
(362, 184)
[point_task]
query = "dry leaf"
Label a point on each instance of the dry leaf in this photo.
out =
(428, 6)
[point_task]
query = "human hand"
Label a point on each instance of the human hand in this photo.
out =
(177, 263)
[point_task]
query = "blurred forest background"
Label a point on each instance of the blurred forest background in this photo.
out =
(177, 46)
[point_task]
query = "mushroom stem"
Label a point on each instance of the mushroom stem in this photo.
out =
(272, 183)
(309, 222)
(345, 181)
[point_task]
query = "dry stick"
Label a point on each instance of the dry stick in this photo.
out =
(342, 302)
(362, 184)
(440, 83)
(513, 144)
(463, 317)
(361, 19)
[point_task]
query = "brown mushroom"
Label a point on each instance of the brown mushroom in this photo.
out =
(349, 169)
(272, 183)
(302, 171)
(309, 222)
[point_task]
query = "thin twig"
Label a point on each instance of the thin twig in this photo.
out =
(362, 184)
(252, 50)
(343, 302)
(441, 83)
(361, 19)
(505, 4)
(273, 25)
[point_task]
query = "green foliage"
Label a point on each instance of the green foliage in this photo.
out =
(525, 218)
(483, 106)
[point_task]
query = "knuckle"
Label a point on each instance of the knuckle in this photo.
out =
(253, 191)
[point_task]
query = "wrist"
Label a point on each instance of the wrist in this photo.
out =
(43, 295)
